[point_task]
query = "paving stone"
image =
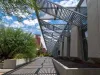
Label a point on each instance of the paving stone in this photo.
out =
(41, 66)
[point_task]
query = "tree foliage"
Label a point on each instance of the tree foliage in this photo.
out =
(16, 43)
(17, 7)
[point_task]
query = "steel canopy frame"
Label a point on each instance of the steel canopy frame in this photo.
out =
(53, 34)
(70, 16)
(61, 12)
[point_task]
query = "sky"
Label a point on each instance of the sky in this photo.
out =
(29, 22)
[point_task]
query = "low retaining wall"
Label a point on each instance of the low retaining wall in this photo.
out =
(63, 70)
(1, 65)
(21, 61)
(13, 63)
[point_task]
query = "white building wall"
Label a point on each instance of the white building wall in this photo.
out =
(94, 29)
(65, 47)
(76, 49)
(61, 49)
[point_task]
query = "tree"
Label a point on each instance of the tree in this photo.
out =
(15, 42)
(15, 7)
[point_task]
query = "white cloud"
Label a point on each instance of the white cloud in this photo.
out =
(68, 3)
(31, 10)
(84, 4)
(8, 17)
(38, 27)
(46, 16)
(28, 30)
(36, 21)
(16, 24)
(47, 20)
(20, 13)
(30, 22)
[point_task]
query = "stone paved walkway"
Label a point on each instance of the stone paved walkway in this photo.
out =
(41, 66)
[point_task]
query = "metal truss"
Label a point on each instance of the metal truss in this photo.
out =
(75, 16)
(50, 37)
(81, 10)
(51, 33)
(63, 13)
(50, 42)
(54, 27)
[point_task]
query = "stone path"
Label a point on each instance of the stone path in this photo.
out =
(41, 66)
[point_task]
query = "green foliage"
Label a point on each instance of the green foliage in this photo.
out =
(18, 6)
(41, 53)
(19, 56)
(16, 43)
(47, 54)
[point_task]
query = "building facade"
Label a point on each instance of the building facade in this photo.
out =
(39, 43)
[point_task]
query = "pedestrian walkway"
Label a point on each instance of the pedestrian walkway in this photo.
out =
(41, 66)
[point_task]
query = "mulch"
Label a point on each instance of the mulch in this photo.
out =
(77, 64)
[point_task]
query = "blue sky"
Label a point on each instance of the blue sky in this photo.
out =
(27, 22)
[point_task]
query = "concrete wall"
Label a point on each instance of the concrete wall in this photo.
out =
(21, 61)
(64, 70)
(1, 65)
(66, 47)
(94, 29)
(9, 64)
(12, 63)
(61, 49)
(88, 1)
(76, 49)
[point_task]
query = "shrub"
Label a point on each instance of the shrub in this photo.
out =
(16, 43)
